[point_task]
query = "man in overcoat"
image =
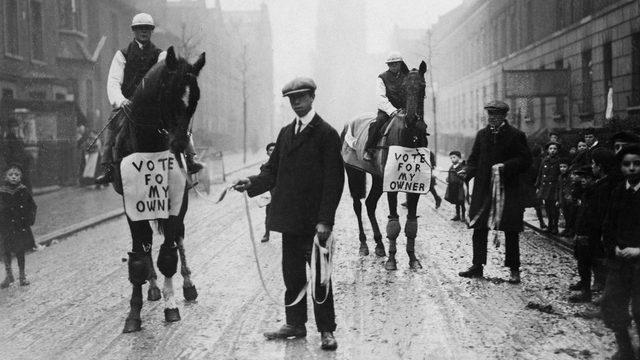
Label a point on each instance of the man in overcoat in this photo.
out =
(305, 174)
(497, 146)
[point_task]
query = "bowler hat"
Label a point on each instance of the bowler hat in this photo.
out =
(299, 85)
(496, 106)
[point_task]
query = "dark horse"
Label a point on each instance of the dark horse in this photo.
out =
(158, 120)
(407, 129)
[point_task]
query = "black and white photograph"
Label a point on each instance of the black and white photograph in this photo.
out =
(320, 179)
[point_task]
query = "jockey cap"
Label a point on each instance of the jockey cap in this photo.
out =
(142, 20)
(394, 56)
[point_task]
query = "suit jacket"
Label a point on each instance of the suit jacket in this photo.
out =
(508, 146)
(306, 176)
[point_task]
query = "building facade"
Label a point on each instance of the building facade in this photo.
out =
(595, 42)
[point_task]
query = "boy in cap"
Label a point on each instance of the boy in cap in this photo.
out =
(621, 234)
(306, 174)
(455, 185)
(547, 184)
(566, 202)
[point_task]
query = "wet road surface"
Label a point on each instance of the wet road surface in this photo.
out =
(79, 296)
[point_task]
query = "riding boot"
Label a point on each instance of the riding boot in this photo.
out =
(8, 280)
(107, 154)
(193, 166)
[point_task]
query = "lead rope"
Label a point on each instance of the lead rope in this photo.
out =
(497, 205)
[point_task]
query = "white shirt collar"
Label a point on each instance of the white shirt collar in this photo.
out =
(140, 45)
(307, 118)
(627, 186)
(594, 144)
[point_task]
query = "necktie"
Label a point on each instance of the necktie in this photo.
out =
(299, 127)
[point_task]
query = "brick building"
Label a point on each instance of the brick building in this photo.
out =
(596, 42)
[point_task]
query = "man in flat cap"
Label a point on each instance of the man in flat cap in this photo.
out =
(305, 174)
(390, 99)
(497, 147)
(622, 138)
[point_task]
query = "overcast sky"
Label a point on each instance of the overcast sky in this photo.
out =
(294, 23)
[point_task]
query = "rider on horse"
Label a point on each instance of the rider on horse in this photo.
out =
(390, 99)
(128, 68)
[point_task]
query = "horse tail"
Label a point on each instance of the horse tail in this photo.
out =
(357, 180)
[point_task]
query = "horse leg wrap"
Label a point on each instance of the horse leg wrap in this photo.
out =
(393, 229)
(411, 228)
(138, 269)
(168, 260)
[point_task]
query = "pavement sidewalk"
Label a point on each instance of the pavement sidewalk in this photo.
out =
(71, 209)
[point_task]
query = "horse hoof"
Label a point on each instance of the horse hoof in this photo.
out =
(415, 264)
(154, 293)
(380, 251)
(132, 325)
(171, 315)
(190, 293)
(391, 265)
(364, 249)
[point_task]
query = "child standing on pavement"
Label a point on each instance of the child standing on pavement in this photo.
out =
(566, 202)
(455, 185)
(621, 234)
(17, 215)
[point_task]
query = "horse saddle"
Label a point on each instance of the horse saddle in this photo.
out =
(356, 133)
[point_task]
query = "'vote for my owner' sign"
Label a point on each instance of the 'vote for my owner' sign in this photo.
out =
(407, 170)
(152, 185)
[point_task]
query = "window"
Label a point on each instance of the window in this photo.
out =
(7, 93)
(11, 40)
(587, 80)
(69, 15)
(37, 50)
(635, 70)
(607, 66)
(559, 111)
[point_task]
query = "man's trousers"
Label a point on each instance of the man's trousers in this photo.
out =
(512, 248)
(296, 253)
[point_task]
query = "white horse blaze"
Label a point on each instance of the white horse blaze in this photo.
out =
(185, 97)
(168, 294)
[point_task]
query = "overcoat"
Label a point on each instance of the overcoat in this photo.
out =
(455, 185)
(17, 215)
(547, 181)
(306, 175)
(509, 147)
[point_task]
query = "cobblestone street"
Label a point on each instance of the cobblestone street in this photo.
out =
(79, 295)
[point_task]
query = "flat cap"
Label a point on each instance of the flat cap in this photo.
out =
(625, 136)
(497, 106)
(584, 171)
(589, 131)
(299, 85)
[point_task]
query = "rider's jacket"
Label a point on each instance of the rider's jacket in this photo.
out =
(392, 91)
(139, 61)
(127, 69)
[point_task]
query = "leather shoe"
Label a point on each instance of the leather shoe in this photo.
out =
(582, 297)
(287, 331)
(328, 341)
(475, 271)
(456, 218)
(106, 177)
